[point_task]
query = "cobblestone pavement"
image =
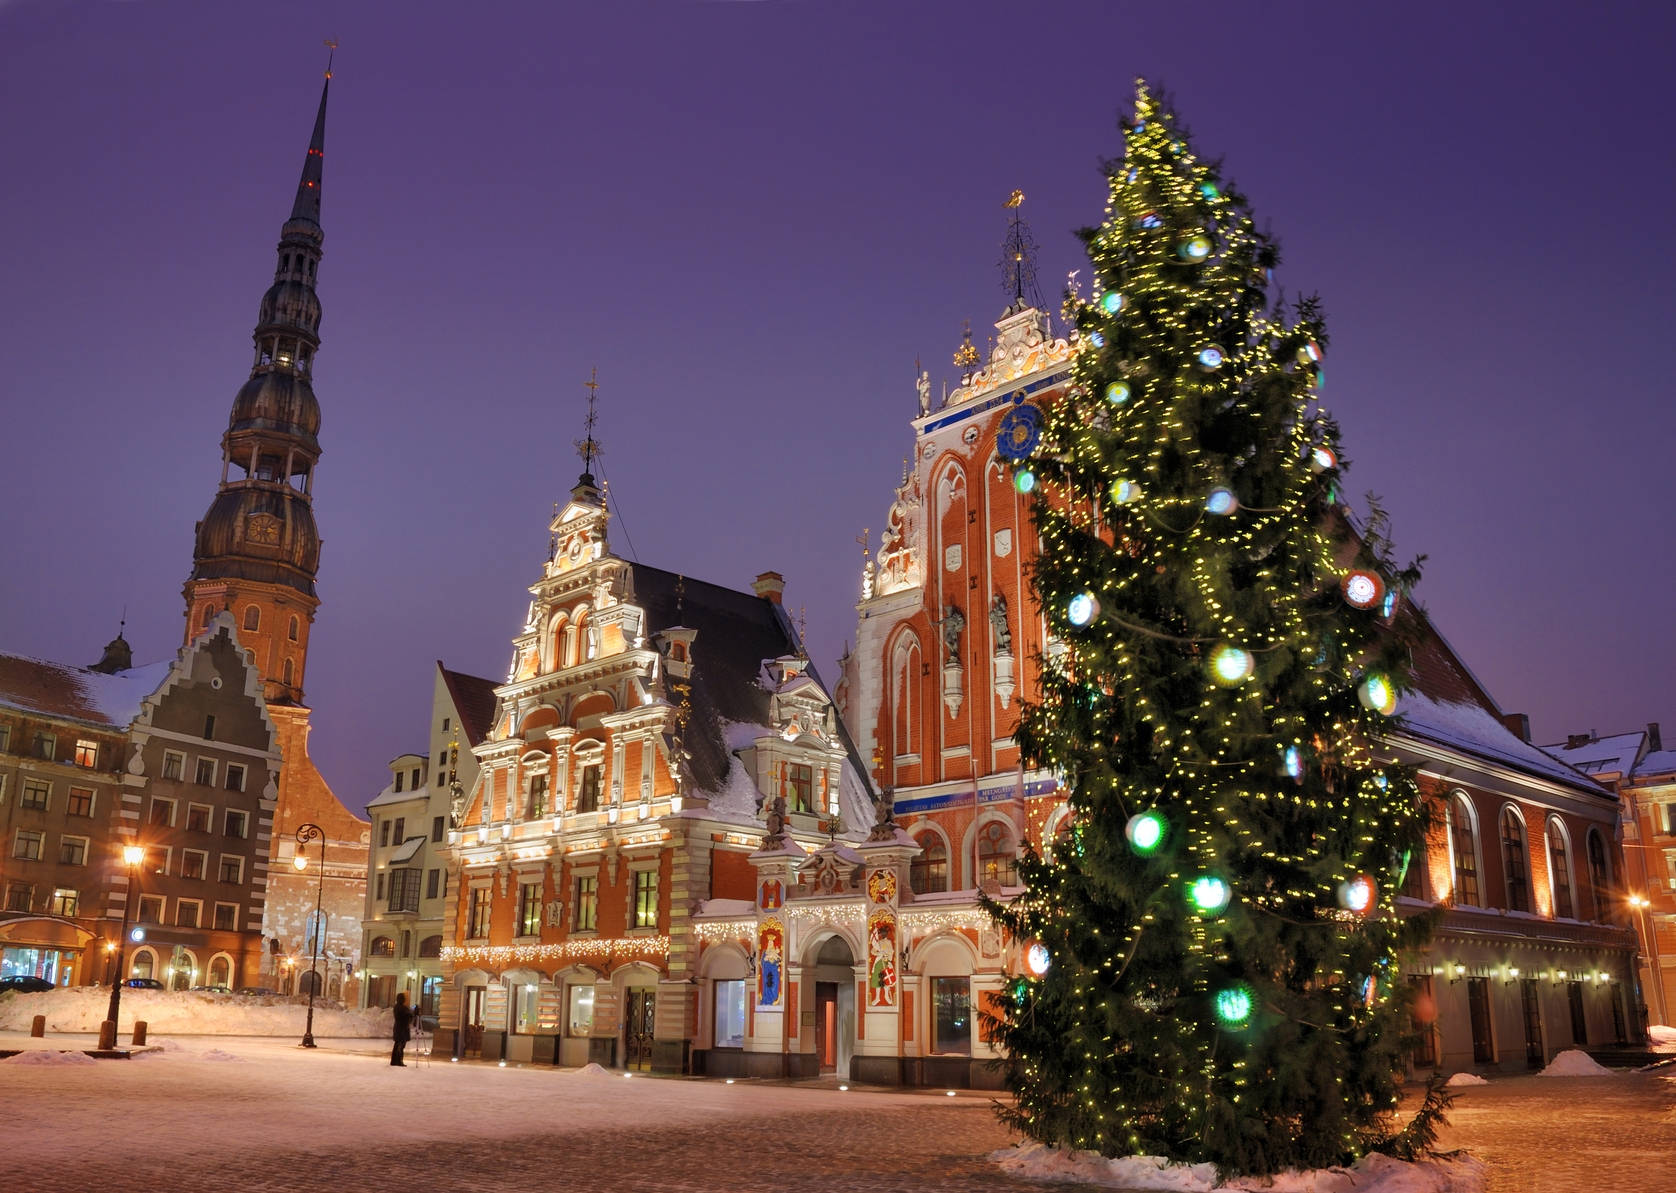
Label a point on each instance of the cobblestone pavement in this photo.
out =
(282, 1121)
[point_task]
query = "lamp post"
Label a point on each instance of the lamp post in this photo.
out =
(305, 834)
(132, 856)
(1654, 970)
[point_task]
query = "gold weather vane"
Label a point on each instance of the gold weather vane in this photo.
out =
(588, 447)
(331, 44)
(1014, 199)
(1018, 254)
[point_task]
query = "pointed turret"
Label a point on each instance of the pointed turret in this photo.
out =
(257, 549)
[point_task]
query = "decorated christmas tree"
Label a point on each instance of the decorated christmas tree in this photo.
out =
(1212, 945)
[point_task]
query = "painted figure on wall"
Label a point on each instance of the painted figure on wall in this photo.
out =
(881, 886)
(771, 895)
(771, 945)
(881, 958)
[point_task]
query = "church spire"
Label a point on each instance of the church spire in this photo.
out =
(257, 549)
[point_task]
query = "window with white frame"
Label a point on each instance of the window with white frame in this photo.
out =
(162, 812)
(36, 795)
(194, 863)
(579, 1020)
(187, 912)
(72, 851)
(87, 753)
(199, 818)
(26, 845)
(226, 917)
(730, 1012)
(204, 775)
(174, 764)
(80, 802)
(237, 824)
(235, 776)
(65, 901)
(232, 868)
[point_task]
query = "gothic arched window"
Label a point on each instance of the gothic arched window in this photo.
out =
(1515, 860)
(1463, 839)
(997, 855)
(1559, 868)
(928, 873)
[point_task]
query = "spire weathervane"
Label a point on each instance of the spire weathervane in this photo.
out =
(1018, 256)
(331, 50)
(588, 447)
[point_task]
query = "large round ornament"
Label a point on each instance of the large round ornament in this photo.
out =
(1194, 249)
(1082, 609)
(1322, 458)
(1024, 480)
(1355, 895)
(1125, 492)
(1037, 959)
(1111, 302)
(1362, 589)
(1145, 831)
(1233, 1005)
(1221, 501)
(1149, 220)
(1231, 664)
(1211, 357)
(1209, 894)
(1376, 693)
(1117, 392)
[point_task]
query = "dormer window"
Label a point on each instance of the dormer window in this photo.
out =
(800, 787)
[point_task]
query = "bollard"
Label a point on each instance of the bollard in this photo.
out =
(38, 1026)
(107, 1035)
(139, 1032)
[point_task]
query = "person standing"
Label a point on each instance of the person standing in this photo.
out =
(403, 1031)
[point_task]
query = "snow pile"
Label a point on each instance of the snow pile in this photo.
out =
(218, 1054)
(42, 1056)
(593, 1070)
(1573, 1063)
(1466, 1079)
(1661, 1037)
(1372, 1174)
(188, 1012)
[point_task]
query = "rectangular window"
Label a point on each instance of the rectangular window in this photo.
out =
(1669, 811)
(800, 784)
(232, 868)
(399, 833)
(401, 778)
(199, 818)
(236, 824)
(529, 909)
(235, 776)
(383, 834)
(35, 794)
(1424, 1055)
(186, 913)
(46, 745)
(174, 764)
(194, 863)
(205, 774)
(730, 1013)
(645, 899)
(537, 805)
(446, 722)
(477, 921)
(432, 880)
(81, 802)
(951, 1015)
(580, 1019)
(151, 909)
(209, 728)
(226, 917)
(19, 896)
(87, 753)
(64, 901)
(27, 845)
(440, 776)
(585, 907)
(404, 889)
(436, 828)
(587, 793)
(5, 739)
(526, 1005)
(378, 891)
(72, 851)
(156, 860)
(416, 775)
(162, 812)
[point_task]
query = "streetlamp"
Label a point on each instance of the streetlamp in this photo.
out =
(1641, 903)
(132, 856)
(305, 834)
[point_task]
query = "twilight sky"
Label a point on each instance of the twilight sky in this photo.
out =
(752, 217)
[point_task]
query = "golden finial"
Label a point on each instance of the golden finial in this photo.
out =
(966, 356)
(331, 44)
(1014, 199)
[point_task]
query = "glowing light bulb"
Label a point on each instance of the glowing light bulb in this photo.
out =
(1208, 894)
(1145, 831)
(1082, 609)
(1231, 664)
(1194, 249)
(1362, 589)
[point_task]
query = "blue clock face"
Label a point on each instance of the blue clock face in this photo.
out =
(1020, 431)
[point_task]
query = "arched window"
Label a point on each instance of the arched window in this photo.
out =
(430, 946)
(252, 618)
(292, 634)
(1464, 844)
(144, 963)
(1515, 860)
(383, 946)
(220, 971)
(1600, 876)
(905, 697)
(289, 672)
(1559, 868)
(929, 871)
(997, 855)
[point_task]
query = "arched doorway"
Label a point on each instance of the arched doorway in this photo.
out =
(831, 971)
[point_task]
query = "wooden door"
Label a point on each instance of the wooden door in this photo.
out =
(637, 1028)
(826, 1025)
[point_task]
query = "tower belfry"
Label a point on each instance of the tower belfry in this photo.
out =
(257, 549)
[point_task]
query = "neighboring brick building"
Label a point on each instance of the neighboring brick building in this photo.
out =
(179, 757)
(1638, 769)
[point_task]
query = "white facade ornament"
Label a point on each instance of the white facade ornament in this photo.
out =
(951, 557)
(1003, 543)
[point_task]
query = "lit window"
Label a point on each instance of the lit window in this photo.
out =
(580, 1020)
(800, 788)
(1465, 849)
(87, 753)
(730, 1013)
(997, 858)
(929, 871)
(64, 901)
(383, 946)
(586, 906)
(529, 909)
(951, 1003)
(645, 899)
(478, 920)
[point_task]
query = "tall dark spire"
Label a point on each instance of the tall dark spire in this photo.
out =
(257, 549)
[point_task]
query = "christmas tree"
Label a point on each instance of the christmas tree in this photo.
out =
(1212, 945)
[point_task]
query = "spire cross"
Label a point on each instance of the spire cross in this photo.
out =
(588, 446)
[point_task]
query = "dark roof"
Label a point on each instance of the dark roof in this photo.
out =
(70, 693)
(474, 700)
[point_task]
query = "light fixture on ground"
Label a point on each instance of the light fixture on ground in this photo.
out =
(305, 834)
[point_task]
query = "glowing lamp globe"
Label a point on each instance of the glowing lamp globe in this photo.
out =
(1231, 664)
(1362, 589)
(1376, 693)
(1037, 959)
(1221, 501)
(1211, 357)
(1233, 1005)
(1111, 302)
(1024, 480)
(1125, 492)
(1355, 895)
(1117, 393)
(1082, 609)
(1145, 831)
(300, 862)
(1208, 894)
(1194, 249)
(136, 934)
(1322, 458)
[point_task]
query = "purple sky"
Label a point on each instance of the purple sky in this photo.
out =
(752, 217)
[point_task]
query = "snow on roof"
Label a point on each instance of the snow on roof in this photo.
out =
(1660, 762)
(1602, 755)
(1474, 730)
(75, 693)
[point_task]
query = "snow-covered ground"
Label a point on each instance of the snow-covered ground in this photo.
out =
(1374, 1174)
(82, 1009)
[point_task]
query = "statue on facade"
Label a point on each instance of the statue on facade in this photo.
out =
(456, 804)
(951, 625)
(998, 625)
(884, 817)
(923, 385)
(776, 819)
